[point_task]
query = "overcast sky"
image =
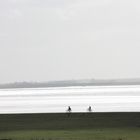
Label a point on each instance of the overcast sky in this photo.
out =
(43, 40)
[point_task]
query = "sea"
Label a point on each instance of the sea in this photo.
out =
(121, 98)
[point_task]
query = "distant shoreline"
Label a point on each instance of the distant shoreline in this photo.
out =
(70, 83)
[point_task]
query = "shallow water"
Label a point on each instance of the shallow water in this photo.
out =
(52, 100)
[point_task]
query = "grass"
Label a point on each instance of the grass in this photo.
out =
(77, 126)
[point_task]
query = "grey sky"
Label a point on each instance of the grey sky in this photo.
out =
(42, 40)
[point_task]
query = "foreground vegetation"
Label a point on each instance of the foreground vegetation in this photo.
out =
(76, 126)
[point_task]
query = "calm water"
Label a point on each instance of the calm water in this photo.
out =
(43, 100)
